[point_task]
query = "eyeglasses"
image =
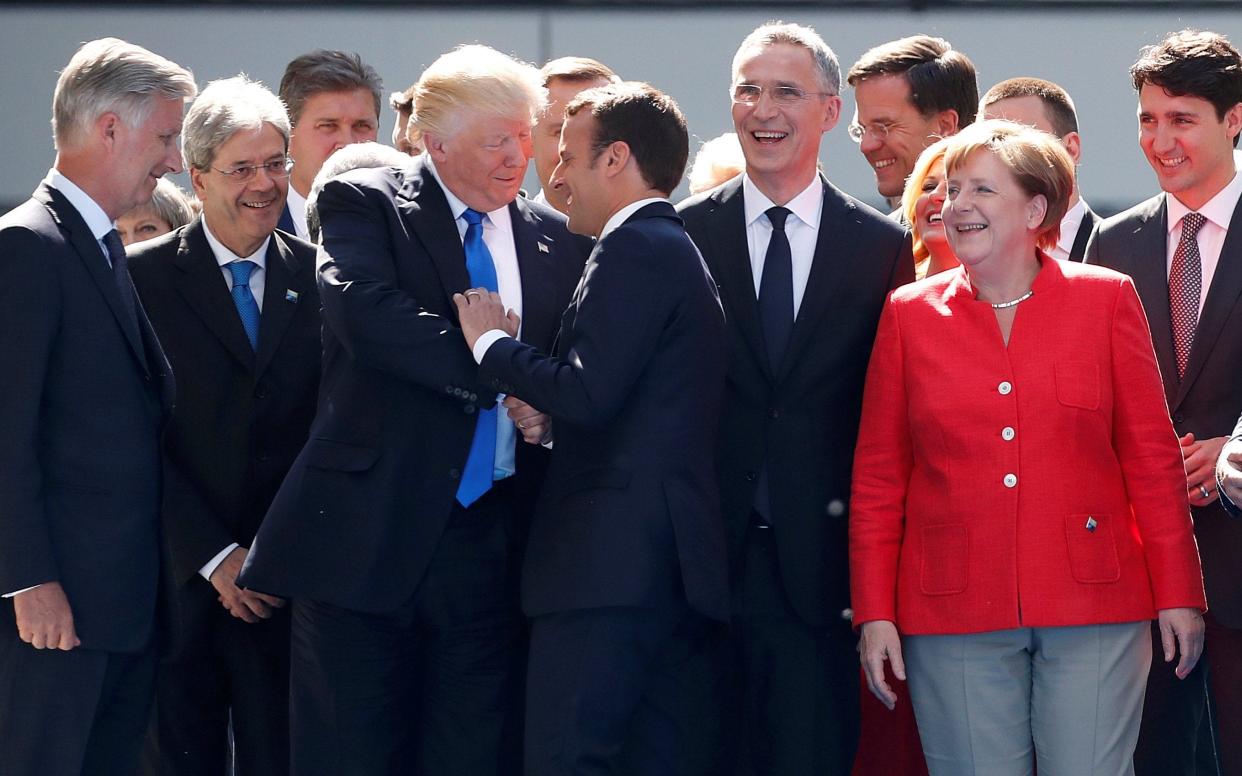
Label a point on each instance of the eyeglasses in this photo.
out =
(275, 169)
(749, 94)
(878, 130)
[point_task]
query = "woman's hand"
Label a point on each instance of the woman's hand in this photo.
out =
(880, 642)
(1181, 630)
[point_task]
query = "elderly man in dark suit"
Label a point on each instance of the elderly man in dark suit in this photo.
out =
(397, 532)
(803, 271)
(1183, 248)
(625, 576)
(84, 397)
(236, 308)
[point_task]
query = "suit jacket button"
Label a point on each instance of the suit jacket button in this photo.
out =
(1011, 480)
(1005, 388)
(751, 476)
(458, 392)
(448, 389)
(474, 397)
(454, 474)
(836, 507)
(468, 409)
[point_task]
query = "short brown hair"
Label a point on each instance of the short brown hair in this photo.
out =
(1057, 103)
(1037, 161)
(1196, 63)
(402, 102)
(326, 71)
(940, 77)
(577, 70)
(645, 119)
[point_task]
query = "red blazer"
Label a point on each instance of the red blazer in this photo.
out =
(1039, 484)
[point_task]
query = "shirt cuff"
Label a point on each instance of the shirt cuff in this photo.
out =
(485, 341)
(19, 592)
(210, 567)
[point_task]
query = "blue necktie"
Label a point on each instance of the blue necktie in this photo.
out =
(476, 479)
(247, 307)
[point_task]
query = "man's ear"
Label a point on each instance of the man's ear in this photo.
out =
(947, 122)
(196, 180)
(616, 157)
(433, 142)
(106, 128)
(1073, 146)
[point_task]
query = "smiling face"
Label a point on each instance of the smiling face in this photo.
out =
(781, 142)
(141, 223)
(483, 158)
(329, 120)
(578, 179)
(928, 222)
(988, 217)
(1190, 149)
(242, 214)
(144, 154)
(884, 101)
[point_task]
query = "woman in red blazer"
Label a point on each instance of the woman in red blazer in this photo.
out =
(1019, 511)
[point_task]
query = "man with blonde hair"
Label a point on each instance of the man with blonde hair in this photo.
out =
(82, 404)
(397, 532)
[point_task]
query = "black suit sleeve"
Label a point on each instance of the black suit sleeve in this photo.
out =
(29, 320)
(617, 325)
(1092, 254)
(903, 269)
(377, 320)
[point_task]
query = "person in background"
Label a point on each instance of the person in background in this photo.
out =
(920, 207)
(1012, 576)
(564, 78)
(718, 160)
(402, 103)
(351, 157)
(168, 209)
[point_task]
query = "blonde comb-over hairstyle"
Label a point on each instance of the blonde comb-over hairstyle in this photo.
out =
(1037, 161)
(474, 78)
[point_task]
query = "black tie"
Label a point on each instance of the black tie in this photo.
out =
(120, 275)
(776, 305)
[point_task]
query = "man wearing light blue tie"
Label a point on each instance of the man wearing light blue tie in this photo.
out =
(398, 530)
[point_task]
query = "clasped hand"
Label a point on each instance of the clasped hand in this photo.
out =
(479, 311)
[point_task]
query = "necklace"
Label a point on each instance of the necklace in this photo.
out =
(1012, 302)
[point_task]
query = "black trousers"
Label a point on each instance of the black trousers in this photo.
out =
(228, 671)
(432, 689)
(624, 691)
(795, 703)
(1175, 737)
(76, 713)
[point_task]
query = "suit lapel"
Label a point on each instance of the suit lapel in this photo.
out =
(1221, 299)
(733, 274)
(426, 210)
(537, 271)
(91, 254)
(1149, 244)
(202, 285)
(1079, 248)
(279, 305)
(825, 271)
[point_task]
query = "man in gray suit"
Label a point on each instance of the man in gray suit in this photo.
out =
(1183, 248)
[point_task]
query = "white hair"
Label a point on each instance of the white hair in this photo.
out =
(226, 107)
(474, 77)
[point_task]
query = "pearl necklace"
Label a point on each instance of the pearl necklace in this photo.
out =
(1012, 302)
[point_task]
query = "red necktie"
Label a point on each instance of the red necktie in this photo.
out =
(1185, 284)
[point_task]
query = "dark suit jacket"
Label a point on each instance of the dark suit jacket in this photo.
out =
(629, 514)
(82, 403)
(1085, 228)
(803, 419)
(241, 416)
(1208, 399)
(363, 507)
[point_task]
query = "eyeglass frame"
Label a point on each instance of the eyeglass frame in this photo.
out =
(245, 173)
(881, 130)
(800, 95)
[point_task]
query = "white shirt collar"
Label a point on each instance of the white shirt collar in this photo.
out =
(499, 217)
(1219, 209)
(1070, 224)
(807, 205)
(622, 215)
(94, 216)
(225, 256)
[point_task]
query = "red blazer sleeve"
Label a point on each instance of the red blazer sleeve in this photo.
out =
(883, 461)
(1154, 475)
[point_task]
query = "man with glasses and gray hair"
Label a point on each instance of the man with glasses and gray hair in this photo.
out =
(82, 404)
(803, 271)
(236, 308)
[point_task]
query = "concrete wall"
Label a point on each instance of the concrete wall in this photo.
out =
(685, 53)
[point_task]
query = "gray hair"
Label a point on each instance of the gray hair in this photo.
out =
(171, 203)
(226, 107)
(351, 157)
(795, 35)
(327, 71)
(110, 75)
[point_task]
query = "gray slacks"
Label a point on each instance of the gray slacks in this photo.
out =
(995, 703)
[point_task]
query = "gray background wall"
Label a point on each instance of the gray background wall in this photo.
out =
(684, 52)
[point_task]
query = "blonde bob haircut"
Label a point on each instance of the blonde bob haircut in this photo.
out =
(914, 189)
(1038, 162)
(474, 78)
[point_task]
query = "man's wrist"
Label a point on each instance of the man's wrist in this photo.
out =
(485, 341)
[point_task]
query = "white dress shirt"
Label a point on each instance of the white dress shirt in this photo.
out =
(802, 230)
(1218, 211)
(498, 237)
(297, 211)
(1069, 231)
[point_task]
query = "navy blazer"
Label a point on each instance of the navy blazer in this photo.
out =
(82, 404)
(629, 514)
(360, 514)
(802, 417)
